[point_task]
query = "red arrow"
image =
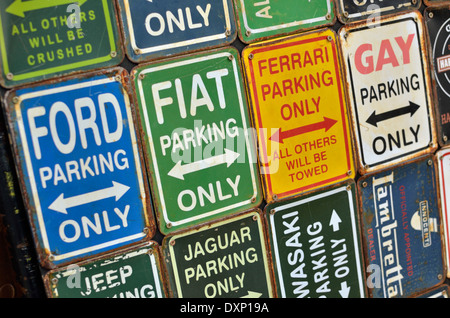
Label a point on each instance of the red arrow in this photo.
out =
(280, 135)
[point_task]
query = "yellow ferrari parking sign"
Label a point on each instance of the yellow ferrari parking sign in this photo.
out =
(299, 112)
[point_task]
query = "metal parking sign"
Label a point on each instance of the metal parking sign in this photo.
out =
(44, 39)
(316, 246)
(200, 150)
(389, 87)
(443, 159)
(268, 18)
(222, 259)
(299, 112)
(154, 29)
(356, 10)
(437, 20)
(80, 167)
(401, 228)
(131, 273)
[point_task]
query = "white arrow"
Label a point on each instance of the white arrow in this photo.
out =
(345, 290)
(61, 204)
(251, 294)
(334, 221)
(178, 171)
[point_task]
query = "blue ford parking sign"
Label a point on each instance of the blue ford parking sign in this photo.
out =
(79, 166)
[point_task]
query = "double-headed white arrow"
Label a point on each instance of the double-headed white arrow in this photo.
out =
(335, 220)
(179, 170)
(61, 204)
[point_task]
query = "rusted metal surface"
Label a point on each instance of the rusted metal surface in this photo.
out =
(389, 85)
(69, 175)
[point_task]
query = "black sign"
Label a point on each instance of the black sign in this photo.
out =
(438, 24)
(357, 10)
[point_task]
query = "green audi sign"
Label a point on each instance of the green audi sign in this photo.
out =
(316, 247)
(41, 39)
(199, 149)
(266, 19)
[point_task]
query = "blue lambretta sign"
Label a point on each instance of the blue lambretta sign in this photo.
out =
(80, 166)
(158, 28)
(401, 225)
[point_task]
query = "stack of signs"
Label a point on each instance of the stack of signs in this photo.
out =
(130, 273)
(228, 258)
(300, 113)
(154, 29)
(79, 165)
(197, 141)
(316, 244)
(389, 86)
(44, 39)
(401, 229)
(438, 25)
(358, 10)
(267, 19)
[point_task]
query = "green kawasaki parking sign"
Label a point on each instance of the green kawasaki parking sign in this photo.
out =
(200, 151)
(316, 245)
(40, 39)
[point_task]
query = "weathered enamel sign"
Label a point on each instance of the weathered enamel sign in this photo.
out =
(401, 228)
(80, 167)
(131, 273)
(299, 112)
(44, 39)
(358, 10)
(389, 86)
(155, 29)
(269, 18)
(200, 151)
(316, 244)
(437, 20)
(222, 259)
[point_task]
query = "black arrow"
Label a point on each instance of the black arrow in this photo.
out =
(374, 119)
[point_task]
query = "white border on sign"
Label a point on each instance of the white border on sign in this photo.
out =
(151, 143)
(32, 180)
(177, 44)
(284, 25)
(361, 14)
(304, 201)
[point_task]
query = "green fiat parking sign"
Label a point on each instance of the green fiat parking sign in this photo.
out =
(198, 145)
